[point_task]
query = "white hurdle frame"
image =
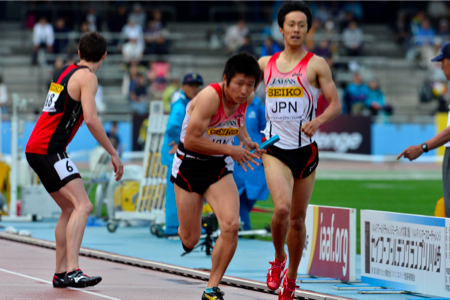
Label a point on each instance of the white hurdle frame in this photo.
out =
(151, 196)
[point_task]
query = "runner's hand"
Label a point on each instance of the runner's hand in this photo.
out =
(310, 128)
(411, 153)
(252, 145)
(174, 147)
(243, 156)
(118, 166)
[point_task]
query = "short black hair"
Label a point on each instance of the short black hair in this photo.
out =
(290, 6)
(242, 63)
(92, 47)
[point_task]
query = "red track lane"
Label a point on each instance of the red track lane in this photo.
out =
(26, 272)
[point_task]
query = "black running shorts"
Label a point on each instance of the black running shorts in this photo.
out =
(302, 161)
(195, 172)
(54, 170)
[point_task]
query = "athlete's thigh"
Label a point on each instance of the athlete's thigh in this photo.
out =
(303, 189)
(62, 201)
(189, 207)
(223, 197)
(74, 192)
(280, 180)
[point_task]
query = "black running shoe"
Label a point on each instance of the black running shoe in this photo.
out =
(58, 282)
(216, 294)
(78, 279)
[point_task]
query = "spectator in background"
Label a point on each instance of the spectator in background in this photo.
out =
(113, 136)
(61, 42)
(425, 34)
(93, 19)
(356, 94)
(437, 9)
(138, 15)
(427, 52)
(139, 96)
(43, 37)
(323, 49)
(3, 95)
(247, 47)
(312, 35)
(155, 43)
(84, 27)
(375, 100)
(101, 107)
(270, 47)
(251, 188)
(355, 8)
(444, 30)
(132, 51)
(322, 13)
(118, 20)
(189, 89)
(128, 79)
(168, 93)
(133, 30)
(158, 75)
(234, 37)
(353, 39)
(401, 28)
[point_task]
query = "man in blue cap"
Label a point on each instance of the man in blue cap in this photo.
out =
(441, 139)
(190, 88)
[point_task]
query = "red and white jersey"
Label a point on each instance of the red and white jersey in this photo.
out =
(221, 129)
(291, 101)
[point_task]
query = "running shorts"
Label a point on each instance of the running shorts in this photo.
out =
(195, 172)
(54, 170)
(302, 161)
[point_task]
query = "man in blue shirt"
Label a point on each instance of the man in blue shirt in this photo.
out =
(251, 187)
(190, 88)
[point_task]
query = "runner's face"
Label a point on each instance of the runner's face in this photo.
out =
(240, 88)
(446, 67)
(295, 28)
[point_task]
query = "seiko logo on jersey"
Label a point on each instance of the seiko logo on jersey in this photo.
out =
(282, 81)
(285, 92)
(223, 131)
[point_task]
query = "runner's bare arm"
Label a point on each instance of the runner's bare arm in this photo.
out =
(206, 106)
(262, 65)
(328, 87)
(88, 87)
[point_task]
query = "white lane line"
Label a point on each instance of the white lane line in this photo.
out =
(41, 280)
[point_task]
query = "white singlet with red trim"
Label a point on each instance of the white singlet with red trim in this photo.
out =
(291, 101)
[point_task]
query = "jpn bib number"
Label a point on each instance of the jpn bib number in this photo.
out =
(65, 168)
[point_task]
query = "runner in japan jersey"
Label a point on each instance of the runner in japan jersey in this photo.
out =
(291, 101)
(195, 172)
(60, 119)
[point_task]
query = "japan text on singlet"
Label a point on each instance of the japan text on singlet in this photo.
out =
(291, 101)
(221, 129)
(60, 118)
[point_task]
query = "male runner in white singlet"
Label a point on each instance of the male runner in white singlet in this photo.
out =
(294, 80)
(203, 163)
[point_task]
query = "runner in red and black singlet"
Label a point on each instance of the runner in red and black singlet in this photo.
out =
(70, 100)
(60, 119)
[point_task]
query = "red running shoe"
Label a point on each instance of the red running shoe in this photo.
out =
(287, 291)
(274, 275)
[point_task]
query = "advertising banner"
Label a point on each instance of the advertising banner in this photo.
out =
(406, 252)
(346, 134)
(330, 246)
